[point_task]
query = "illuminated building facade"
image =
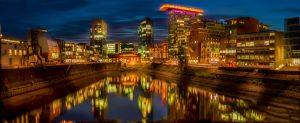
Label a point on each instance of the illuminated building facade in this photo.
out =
(127, 47)
(180, 20)
(204, 45)
(292, 41)
(237, 26)
(159, 52)
(78, 53)
(41, 48)
(98, 35)
(145, 34)
(13, 52)
(260, 50)
(113, 48)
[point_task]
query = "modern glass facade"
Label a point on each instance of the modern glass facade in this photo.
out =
(145, 35)
(180, 20)
(292, 41)
(98, 35)
(260, 50)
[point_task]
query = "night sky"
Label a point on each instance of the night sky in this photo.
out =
(70, 19)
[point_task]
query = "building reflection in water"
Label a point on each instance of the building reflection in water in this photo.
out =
(195, 104)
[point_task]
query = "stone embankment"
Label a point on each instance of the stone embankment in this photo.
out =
(22, 80)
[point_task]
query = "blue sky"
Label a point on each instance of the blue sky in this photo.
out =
(70, 19)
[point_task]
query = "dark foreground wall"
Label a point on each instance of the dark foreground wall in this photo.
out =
(17, 81)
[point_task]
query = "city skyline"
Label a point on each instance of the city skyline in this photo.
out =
(71, 20)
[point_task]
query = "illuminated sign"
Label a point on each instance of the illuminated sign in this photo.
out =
(167, 7)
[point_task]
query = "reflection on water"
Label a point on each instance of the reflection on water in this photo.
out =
(138, 97)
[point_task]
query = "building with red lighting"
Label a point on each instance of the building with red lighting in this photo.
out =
(42, 48)
(180, 20)
(204, 45)
(159, 52)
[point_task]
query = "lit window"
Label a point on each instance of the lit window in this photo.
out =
(272, 34)
(10, 52)
(238, 44)
(271, 56)
(20, 52)
(24, 52)
(266, 43)
(247, 43)
(272, 41)
(16, 52)
(271, 49)
(251, 43)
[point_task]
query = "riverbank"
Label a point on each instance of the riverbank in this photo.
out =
(280, 97)
(12, 106)
(23, 80)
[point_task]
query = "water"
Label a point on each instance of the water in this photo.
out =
(133, 97)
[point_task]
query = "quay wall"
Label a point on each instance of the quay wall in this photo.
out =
(21, 80)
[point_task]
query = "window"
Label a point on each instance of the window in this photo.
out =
(10, 52)
(271, 56)
(266, 43)
(272, 41)
(20, 52)
(5, 52)
(251, 43)
(16, 52)
(272, 48)
(247, 44)
(238, 44)
(10, 61)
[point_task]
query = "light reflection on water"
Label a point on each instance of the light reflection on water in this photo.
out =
(138, 97)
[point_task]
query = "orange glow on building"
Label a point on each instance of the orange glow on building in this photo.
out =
(167, 7)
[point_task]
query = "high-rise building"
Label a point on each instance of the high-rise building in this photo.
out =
(145, 34)
(260, 50)
(204, 45)
(180, 20)
(98, 35)
(292, 41)
(237, 26)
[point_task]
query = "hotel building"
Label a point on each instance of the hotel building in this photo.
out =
(292, 41)
(98, 35)
(260, 50)
(180, 20)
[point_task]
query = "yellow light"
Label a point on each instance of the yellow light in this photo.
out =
(167, 7)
